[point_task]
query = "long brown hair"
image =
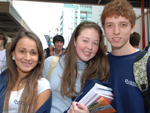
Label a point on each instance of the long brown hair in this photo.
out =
(97, 67)
(29, 94)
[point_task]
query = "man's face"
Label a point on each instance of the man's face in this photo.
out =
(118, 31)
(59, 45)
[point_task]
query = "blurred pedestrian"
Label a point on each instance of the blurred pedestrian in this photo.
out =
(135, 40)
(3, 61)
(147, 48)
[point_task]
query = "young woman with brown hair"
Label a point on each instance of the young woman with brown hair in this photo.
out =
(83, 59)
(26, 90)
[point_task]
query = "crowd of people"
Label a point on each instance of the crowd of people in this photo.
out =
(24, 66)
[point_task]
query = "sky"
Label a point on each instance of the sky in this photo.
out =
(41, 17)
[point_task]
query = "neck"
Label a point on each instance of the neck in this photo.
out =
(1, 48)
(57, 51)
(21, 74)
(123, 51)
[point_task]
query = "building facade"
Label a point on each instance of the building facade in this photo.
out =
(71, 16)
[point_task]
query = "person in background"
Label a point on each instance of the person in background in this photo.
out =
(135, 40)
(147, 48)
(83, 59)
(58, 41)
(118, 20)
(3, 61)
(47, 51)
(26, 89)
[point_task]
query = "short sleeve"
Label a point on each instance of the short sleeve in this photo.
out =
(43, 84)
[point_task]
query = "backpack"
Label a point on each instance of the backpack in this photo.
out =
(140, 76)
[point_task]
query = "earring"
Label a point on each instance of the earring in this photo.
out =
(13, 57)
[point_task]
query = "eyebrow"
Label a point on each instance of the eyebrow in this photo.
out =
(119, 22)
(31, 49)
(89, 38)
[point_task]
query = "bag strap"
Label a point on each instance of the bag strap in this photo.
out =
(140, 76)
(53, 64)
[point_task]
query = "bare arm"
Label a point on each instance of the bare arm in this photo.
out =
(41, 99)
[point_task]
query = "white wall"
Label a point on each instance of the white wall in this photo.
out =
(138, 28)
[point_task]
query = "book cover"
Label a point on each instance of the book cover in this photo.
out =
(101, 106)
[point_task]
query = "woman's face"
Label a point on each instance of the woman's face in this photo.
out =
(26, 55)
(87, 44)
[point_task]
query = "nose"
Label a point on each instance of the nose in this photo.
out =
(59, 43)
(28, 57)
(89, 45)
(116, 30)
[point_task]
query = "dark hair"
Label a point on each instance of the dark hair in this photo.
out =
(29, 94)
(97, 67)
(58, 38)
(119, 8)
(135, 39)
(4, 37)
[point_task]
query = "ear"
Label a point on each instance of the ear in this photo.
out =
(13, 53)
(74, 43)
(132, 30)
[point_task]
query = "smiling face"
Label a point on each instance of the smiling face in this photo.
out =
(59, 45)
(87, 44)
(26, 55)
(118, 31)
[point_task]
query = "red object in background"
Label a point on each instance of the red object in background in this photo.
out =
(143, 23)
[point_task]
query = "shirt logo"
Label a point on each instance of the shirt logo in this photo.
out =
(18, 102)
(131, 83)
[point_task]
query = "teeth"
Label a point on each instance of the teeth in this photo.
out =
(26, 63)
(116, 38)
(86, 53)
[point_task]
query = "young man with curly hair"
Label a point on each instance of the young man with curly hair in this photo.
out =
(118, 20)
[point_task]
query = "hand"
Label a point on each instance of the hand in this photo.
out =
(52, 53)
(80, 108)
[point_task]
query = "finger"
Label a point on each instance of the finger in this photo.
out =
(68, 111)
(83, 107)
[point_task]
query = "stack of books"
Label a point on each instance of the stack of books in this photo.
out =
(98, 99)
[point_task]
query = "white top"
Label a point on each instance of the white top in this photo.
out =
(3, 62)
(43, 84)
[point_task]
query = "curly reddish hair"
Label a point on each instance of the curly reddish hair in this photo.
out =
(119, 8)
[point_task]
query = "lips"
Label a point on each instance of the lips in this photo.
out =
(26, 64)
(116, 39)
(87, 53)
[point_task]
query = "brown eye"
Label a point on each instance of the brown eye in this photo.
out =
(34, 53)
(21, 51)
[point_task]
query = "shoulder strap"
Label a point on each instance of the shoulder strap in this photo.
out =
(146, 48)
(53, 64)
(140, 76)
